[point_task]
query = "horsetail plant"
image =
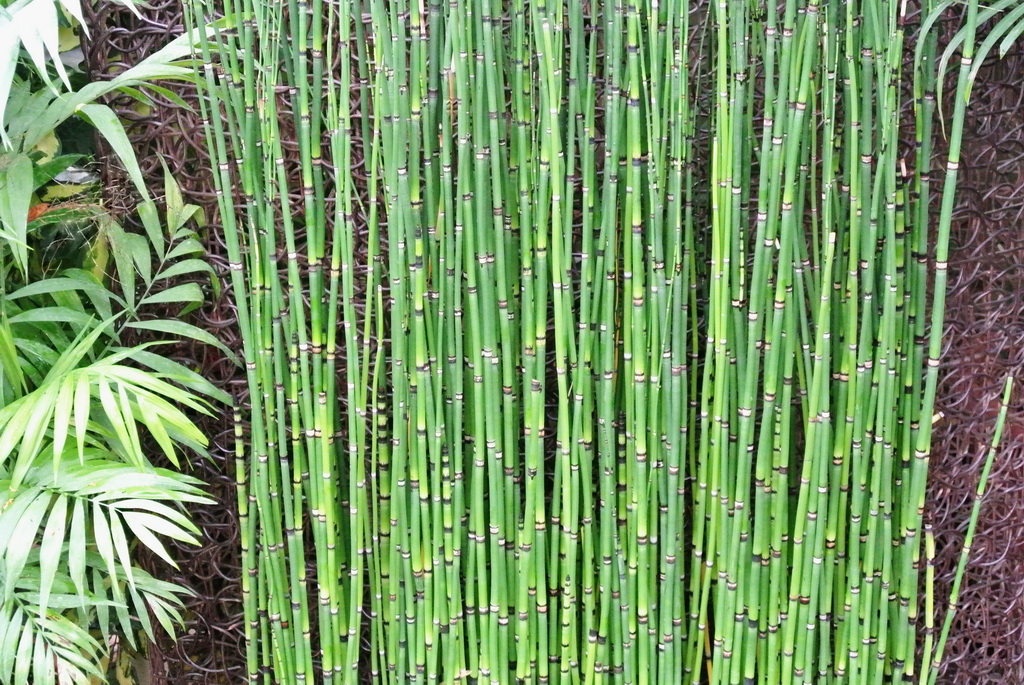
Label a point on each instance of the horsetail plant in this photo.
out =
(584, 341)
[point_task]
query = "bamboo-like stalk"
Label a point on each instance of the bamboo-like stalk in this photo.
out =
(930, 671)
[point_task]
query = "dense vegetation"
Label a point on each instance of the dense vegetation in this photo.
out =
(584, 341)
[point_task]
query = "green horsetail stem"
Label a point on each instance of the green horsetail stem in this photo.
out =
(930, 671)
(584, 342)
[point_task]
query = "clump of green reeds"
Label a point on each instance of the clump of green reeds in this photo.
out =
(608, 357)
